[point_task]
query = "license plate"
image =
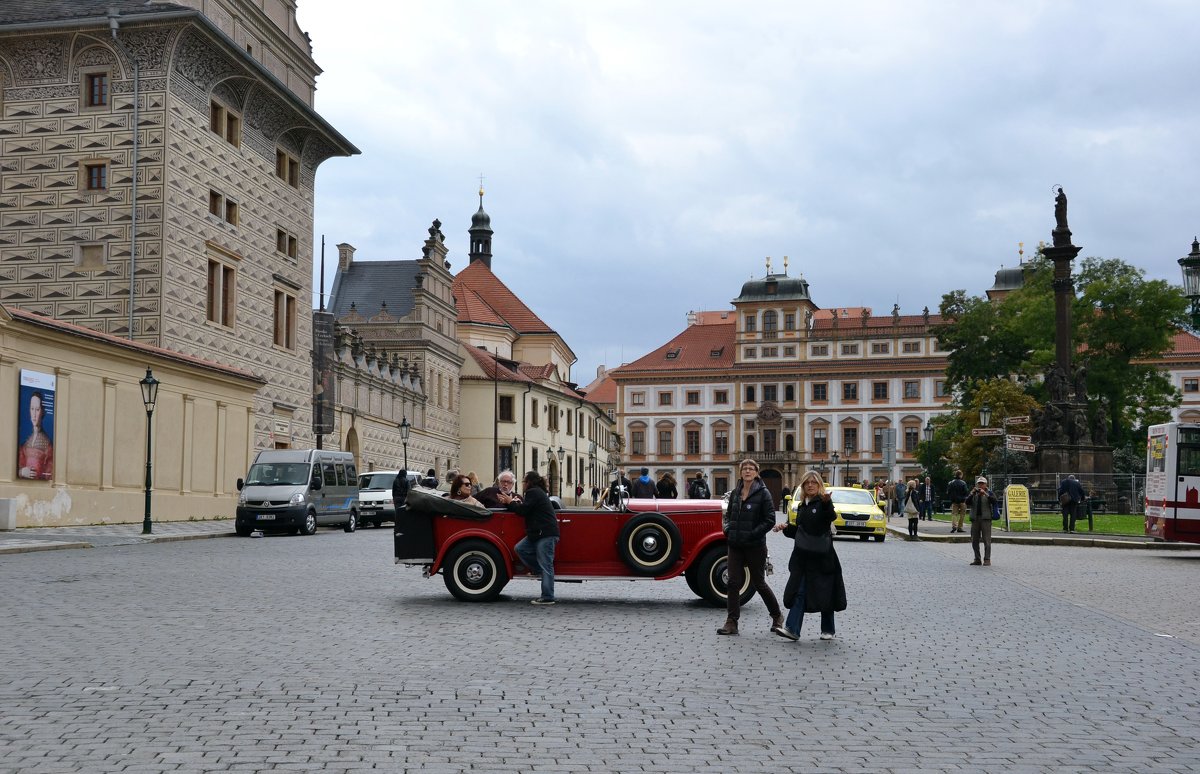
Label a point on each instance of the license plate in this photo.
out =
(265, 517)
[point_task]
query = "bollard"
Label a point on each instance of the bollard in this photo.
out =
(8, 514)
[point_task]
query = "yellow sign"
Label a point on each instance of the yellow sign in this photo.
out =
(1016, 504)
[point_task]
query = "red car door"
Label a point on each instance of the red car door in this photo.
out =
(587, 542)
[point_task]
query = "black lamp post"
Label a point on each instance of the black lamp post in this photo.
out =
(516, 451)
(561, 453)
(834, 456)
(592, 464)
(149, 395)
(849, 452)
(405, 429)
(1191, 280)
(821, 468)
(928, 431)
(985, 419)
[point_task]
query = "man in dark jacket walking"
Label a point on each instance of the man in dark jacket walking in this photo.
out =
(1070, 497)
(644, 486)
(536, 549)
(400, 490)
(957, 491)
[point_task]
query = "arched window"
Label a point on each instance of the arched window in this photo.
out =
(750, 444)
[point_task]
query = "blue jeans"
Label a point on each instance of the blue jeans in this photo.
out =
(540, 557)
(795, 616)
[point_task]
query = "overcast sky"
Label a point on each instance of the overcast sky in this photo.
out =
(642, 158)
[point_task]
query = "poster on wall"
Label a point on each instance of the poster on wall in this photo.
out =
(35, 426)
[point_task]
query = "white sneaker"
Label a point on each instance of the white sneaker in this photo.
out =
(826, 636)
(540, 601)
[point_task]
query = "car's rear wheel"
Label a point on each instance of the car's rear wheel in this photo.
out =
(712, 578)
(309, 527)
(650, 544)
(474, 571)
(351, 522)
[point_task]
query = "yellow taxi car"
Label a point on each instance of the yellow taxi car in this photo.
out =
(857, 513)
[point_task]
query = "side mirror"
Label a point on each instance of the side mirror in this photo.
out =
(315, 484)
(240, 484)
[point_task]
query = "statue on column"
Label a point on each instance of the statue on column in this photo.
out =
(1081, 383)
(1060, 210)
(1056, 383)
(1100, 424)
(1079, 427)
(1052, 424)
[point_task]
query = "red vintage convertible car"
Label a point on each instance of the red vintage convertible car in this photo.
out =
(641, 540)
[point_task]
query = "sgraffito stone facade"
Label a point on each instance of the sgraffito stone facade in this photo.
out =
(227, 150)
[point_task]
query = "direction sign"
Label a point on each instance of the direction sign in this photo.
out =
(1019, 438)
(987, 431)
(1016, 420)
(1021, 447)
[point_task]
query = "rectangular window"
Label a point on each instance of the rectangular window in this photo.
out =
(664, 399)
(770, 392)
(721, 397)
(638, 399)
(693, 398)
(233, 130)
(533, 420)
(820, 392)
(911, 347)
(216, 118)
(220, 303)
(751, 323)
(789, 351)
(96, 90)
(910, 439)
(504, 409)
(850, 439)
(287, 168)
(552, 421)
(912, 389)
(751, 353)
(820, 350)
(879, 390)
(849, 349)
(880, 348)
(223, 122)
(770, 352)
(789, 393)
(216, 204)
(750, 394)
(637, 441)
(90, 257)
(820, 442)
(285, 320)
(720, 441)
(231, 212)
(850, 391)
(666, 442)
(939, 389)
(750, 424)
(1191, 385)
(877, 440)
(285, 243)
(692, 439)
(95, 177)
(789, 321)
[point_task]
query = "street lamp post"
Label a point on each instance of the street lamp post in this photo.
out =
(561, 453)
(405, 428)
(1191, 280)
(516, 450)
(592, 464)
(835, 457)
(149, 395)
(821, 468)
(849, 452)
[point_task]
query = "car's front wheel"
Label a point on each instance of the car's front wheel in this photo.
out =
(879, 538)
(242, 530)
(712, 578)
(474, 571)
(309, 527)
(351, 522)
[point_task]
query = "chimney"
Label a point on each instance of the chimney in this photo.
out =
(345, 256)
(691, 318)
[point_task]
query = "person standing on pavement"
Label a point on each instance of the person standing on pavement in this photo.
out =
(815, 582)
(927, 499)
(912, 505)
(665, 489)
(536, 549)
(957, 491)
(400, 488)
(643, 486)
(1070, 496)
(748, 518)
(980, 504)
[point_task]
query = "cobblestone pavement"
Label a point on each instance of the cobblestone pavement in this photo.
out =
(317, 654)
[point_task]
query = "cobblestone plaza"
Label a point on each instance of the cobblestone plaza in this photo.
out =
(290, 654)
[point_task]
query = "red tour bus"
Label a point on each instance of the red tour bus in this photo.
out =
(1173, 482)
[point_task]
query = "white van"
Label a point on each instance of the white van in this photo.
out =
(295, 490)
(375, 504)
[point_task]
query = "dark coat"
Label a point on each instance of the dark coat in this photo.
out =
(400, 489)
(614, 494)
(666, 489)
(824, 589)
(538, 511)
(1072, 487)
(644, 487)
(957, 491)
(977, 508)
(748, 522)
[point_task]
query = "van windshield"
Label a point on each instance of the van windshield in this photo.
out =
(376, 481)
(277, 474)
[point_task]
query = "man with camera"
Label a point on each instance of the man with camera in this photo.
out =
(981, 505)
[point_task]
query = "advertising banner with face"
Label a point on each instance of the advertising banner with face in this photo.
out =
(35, 426)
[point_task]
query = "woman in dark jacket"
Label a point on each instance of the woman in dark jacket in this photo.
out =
(748, 519)
(815, 583)
(536, 549)
(666, 487)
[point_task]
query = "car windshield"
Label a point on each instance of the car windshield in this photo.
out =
(852, 497)
(376, 481)
(277, 474)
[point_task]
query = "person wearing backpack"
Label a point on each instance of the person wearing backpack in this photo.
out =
(957, 491)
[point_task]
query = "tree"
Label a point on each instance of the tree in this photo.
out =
(1120, 322)
(976, 454)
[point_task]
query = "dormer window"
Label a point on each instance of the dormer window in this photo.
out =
(716, 352)
(674, 353)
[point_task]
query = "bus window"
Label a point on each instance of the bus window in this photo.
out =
(341, 474)
(330, 475)
(1157, 458)
(1189, 461)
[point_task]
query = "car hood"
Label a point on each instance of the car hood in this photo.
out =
(279, 492)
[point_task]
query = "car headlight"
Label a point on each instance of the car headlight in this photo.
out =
(241, 498)
(297, 498)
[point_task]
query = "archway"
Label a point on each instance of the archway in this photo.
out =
(774, 481)
(352, 446)
(552, 475)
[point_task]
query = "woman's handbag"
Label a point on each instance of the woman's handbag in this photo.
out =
(910, 508)
(814, 544)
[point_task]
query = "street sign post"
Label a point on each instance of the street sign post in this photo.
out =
(986, 431)
(1019, 438)
(1021, 447)
(1016, 420)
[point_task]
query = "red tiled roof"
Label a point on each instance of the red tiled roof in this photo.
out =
(692, 349)
(1184, 343)
(136, 346)
(543, 371)
(602, 390)
(492, 301)
(714, 318)
(494, 369)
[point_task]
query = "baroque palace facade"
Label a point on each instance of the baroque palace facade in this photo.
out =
(783, 381)
(157, 163)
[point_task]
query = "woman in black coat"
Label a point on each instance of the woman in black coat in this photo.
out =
(815, 583)
(748, 519)
(666, 487)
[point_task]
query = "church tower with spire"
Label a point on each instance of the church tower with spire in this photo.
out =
(481, 235)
